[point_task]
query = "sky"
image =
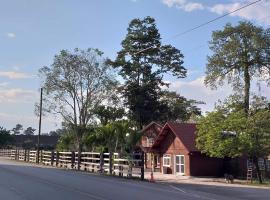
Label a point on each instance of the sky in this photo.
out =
(33, 31)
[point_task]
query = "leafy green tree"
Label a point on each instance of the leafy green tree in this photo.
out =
(74, 85)
(17, 129)
(108, 114)
(142, 63)
(29, 131)
(231, 133)
(66, 142)
(178, 108)
(240, 54)
(119, 136)
(6, 139)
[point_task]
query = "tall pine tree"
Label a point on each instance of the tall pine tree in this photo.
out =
(142, 63)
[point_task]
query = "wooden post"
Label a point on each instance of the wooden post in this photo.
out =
(101, 162)
(142, 166)
(15, 154)
(28, 155)
(79, 155)
(25, 155)
(52, 158)
(39, 125)
(110, 163)
(57, 158)
(72, 159)
(120, 167)
(41, 157)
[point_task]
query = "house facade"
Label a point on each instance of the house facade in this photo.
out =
(171, 149)
(149, 135)
(178, 154)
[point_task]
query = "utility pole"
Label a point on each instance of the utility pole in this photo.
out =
(39, 127)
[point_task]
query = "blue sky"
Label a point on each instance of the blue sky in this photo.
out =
(33, 31)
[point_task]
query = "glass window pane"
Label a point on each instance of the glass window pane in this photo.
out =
(177, 169)
(182, 168)
(177, 159)
(182, 160)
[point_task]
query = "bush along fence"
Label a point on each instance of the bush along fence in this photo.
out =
(130, 165)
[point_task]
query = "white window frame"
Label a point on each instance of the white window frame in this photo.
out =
(180, 164)
(166, 156)
(158, 160)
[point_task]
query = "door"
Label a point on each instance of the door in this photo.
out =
(180, 164)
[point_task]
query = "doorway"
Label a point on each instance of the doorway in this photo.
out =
(180, 164)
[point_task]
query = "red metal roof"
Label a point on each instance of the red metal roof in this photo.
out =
(186, 132)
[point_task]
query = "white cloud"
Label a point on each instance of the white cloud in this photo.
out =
(11, 35)
(258, 12)
(184, 5)
(3, 84)
(196, 89)
(17, 95)
(14, 75)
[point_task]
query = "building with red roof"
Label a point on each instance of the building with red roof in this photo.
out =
(178, 154)
(171, 149)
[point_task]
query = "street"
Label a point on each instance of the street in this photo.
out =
(20, 181)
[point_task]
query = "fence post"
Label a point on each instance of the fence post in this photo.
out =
(52, 157)
(142, 166)
(40, 157)
(101, 162)
(25, 155)
(110, 163)
(57, 158)
(28, 155)
(72, 159)
(16, 152)
(79, 155)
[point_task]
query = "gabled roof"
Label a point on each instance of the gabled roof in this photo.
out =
(186, 132)
(152, 124)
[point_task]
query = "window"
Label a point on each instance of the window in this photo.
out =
(268, 165)
(167, 160)
(150, 142)
(180, 164)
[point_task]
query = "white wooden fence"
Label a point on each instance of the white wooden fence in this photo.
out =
(129, 165)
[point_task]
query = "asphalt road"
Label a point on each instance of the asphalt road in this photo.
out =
(19, 181)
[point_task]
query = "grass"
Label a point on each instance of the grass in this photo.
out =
(266, 183)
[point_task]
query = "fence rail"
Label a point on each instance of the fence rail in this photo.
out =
(130, 165)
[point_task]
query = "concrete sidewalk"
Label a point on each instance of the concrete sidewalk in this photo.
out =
(177, 179)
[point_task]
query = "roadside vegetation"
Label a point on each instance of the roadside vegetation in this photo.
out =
(239, 126)
(104, 103)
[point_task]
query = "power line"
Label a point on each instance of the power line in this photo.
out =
(201, 25)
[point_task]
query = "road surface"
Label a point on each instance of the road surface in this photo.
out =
(19, 181)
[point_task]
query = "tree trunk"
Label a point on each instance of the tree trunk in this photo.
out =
(265, 167)
(258, 169)
(246, 89)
